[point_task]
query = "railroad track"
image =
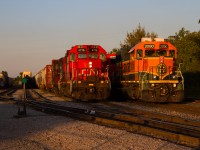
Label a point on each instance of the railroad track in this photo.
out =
(6, 94)
(177, 130)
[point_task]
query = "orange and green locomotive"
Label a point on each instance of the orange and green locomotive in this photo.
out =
(150, 73)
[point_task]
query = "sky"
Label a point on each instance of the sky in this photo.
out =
(33, 32)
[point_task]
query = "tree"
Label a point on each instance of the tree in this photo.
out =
(132, 39)
(181, 34)
(188, 45)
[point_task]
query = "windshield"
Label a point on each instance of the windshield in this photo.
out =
(172, 53)
(93, 56)
(161, 53)
(103, 57)
(82, 56)
(150, 53)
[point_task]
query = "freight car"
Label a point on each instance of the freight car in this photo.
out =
(43, 79)
(82, 73)
(150, 72)
(2, 80)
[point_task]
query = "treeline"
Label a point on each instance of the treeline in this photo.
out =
(188, 45)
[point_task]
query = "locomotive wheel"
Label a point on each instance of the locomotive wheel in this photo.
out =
(147, 96)
(130, 93)
(102, 94)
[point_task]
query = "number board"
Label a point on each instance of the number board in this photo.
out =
(163, 46)
(149, 45)
(81, 50)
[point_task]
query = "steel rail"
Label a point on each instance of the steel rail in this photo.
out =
(178, 133)
(6, 94)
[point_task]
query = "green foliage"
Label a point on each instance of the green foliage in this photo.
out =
(188, 45)
(114, 50)
(18, 79)
(132, 39)
(192, 84)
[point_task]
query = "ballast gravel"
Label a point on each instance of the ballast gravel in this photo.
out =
(184, 115)
(41, 131)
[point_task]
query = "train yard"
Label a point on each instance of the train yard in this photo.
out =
(176, 123)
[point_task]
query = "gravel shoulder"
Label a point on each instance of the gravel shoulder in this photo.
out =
(43, 131)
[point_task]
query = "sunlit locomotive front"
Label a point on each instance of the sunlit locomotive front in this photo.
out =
(151, 74)
(84, 73)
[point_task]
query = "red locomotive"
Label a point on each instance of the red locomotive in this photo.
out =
(150, 73)
(82, 73)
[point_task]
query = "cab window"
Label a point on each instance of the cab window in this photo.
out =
(172, 53)
(150, 53)
(82, 56)
(139, 53)
(93, 56)
(72, 57)
(161, 53)
(102, 57)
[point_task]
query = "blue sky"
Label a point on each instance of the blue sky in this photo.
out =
(33, 32)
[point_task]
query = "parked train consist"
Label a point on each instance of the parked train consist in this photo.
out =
(5, 80)
(150, 73)
(82, 73)
(44, 78)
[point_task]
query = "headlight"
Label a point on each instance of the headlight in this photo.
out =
(102, 82)
(174, 85)
(90, 64)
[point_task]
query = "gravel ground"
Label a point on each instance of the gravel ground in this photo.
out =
(170, 112)
(162, 110)
(42, 131)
